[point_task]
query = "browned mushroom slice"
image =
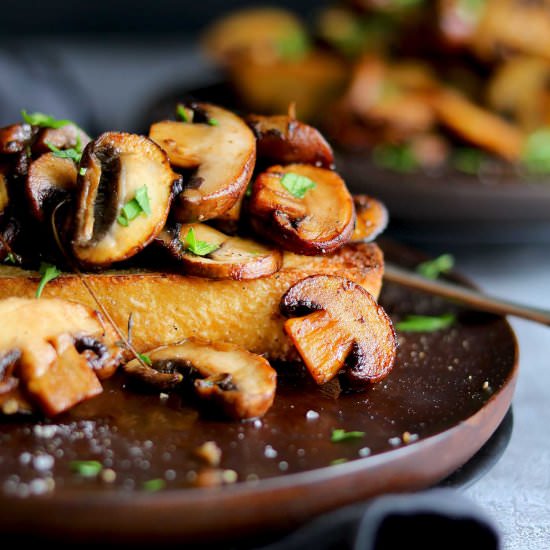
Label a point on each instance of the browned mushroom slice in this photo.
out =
(372, 218)
(207, 252)
(123, 197)
(339, 329)
(4, 197)
(479, 126)
(50, 179)
(65, 137)
(241, 383)
(221, 150)
(304, 209)
(284, 140)
(15, 138)
(53, 353)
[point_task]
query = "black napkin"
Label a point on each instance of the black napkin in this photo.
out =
(439, 519)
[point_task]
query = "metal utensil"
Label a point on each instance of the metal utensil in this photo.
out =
(468, 296)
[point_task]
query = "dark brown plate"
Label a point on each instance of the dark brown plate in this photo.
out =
(453, 206)
(449, 390)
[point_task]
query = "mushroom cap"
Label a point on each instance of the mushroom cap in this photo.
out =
(338, 328)
(320, 222)
(220, 148)
(372, 218)
(65, 137)
(62, 348)
(117, 165)
(241, 383)
(284, 140)
(234, 258)
(15, 138)
(49, 179)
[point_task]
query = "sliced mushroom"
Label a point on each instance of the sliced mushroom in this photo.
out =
(372, 218)
(16, 138)
(221, 150)
(118, 167)
(339, 329)
(320, 222)
(4, 197)
(230, 258)
(284, 140)
(53, 354)
(65, 137)
(49, 180)
(479, 126)
(241, 383)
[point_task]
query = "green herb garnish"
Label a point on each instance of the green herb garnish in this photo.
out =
(199, 248)
(400, 158)
(341, 435)
(213, 122)
(468, 160)
(297, 185)
(337, 461)
(83, 171)
(145, 358)
(536, 153)
(10, 258)
(294, 46)
(425, 323)
(432, 269)
(49, 272)
(153, 485)
(181, 113)
(73, 153)
(138, 205)
(44, 121)
(86, 468)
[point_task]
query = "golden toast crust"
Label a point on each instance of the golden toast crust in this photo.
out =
(168, 307)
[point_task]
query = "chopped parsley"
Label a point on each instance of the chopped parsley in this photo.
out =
(337, 461)
(44, 121)
(293, 46)
(181, 113)
(400, 158)
(248, 192)
(140, 204)
(145, 358)
(468, 160)
(10, 258)
(536, 153)
(425, 323)
(213, 122)
(432, 269)
(199, 248)
(49, 272)
(153, 485)
(86, 468)
(341, 435)
(83, 171)
(73, 153)
(297, 185)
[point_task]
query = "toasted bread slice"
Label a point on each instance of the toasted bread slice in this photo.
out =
(168, 307)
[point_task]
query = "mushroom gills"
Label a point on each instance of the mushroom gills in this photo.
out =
(53, 355)
(120, 168)
(236, 381)
(339, 329)
(50, 179)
